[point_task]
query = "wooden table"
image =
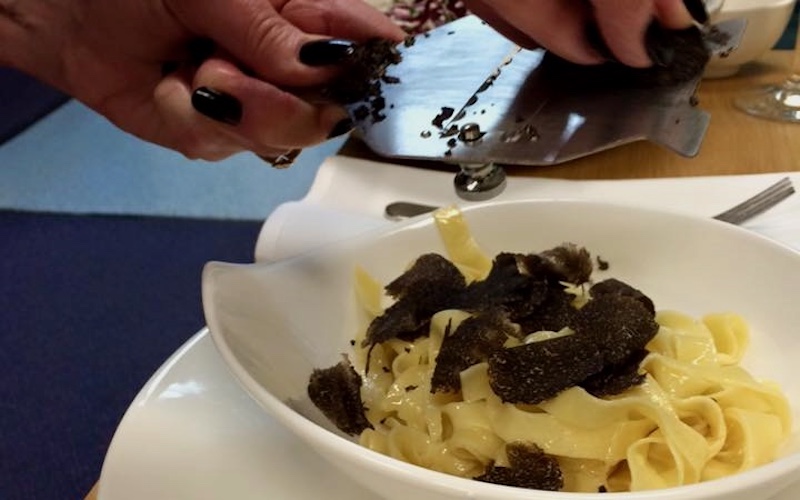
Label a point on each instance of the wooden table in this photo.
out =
(734, 144)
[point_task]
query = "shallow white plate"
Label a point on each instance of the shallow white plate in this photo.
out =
(192, 433)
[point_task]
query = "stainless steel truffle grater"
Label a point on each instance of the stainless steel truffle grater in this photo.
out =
(466, 95)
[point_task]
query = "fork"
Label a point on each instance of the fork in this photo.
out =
(759, 203)
(737, 214)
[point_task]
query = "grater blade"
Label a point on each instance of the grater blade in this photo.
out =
(468, 95)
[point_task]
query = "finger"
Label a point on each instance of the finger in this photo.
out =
(558, 25)
(180, 127)
(488, 14)
(266, 117)
(257, 36)
(623, 24)
(350, 19)
(673, 14)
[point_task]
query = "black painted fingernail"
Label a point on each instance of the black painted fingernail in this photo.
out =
(697, 9)
(342, 127)
(326, 52)
(217, 105)
(200, 49)
(659, 45)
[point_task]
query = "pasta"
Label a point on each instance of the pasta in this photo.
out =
(697, 415)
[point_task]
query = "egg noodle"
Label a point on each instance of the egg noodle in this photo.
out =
(697, 416)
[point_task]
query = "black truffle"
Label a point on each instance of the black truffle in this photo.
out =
(336, 391)
(508, 286)
(614, 379)
(475, 339)
(535, 372)
(615, 286)
(679, 56)
(529, 467)
(567, 262)
(553, 314)
(618, 324)
(428, 286)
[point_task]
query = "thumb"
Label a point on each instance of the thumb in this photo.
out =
(256, 34)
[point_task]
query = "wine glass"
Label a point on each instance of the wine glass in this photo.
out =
(778, 101)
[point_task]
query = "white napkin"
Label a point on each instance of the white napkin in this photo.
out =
(348, 197)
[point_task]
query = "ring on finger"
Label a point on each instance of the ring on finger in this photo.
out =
(282, 160)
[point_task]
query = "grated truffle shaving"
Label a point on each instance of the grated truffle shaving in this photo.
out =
(618, 324)
(427, 287)
(336, 391)
(529, 467)
(615, 286)
(554, 313)
(475, 339)
(535, 372)
(614, 379)
(508, 285)
(569, 262)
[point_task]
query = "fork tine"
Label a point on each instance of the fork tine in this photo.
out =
(759, 203)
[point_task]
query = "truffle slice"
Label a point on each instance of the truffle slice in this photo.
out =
(614, 379)
(336, 391)
(475, 339)
(555, 313)
(538, 371)
(618, 324)
(400, 320)
(529, 467)
(428, 286)
(508, 286)
(567, 262)
(615, 286)
(430, 278)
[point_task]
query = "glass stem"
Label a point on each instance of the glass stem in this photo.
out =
(794, 69)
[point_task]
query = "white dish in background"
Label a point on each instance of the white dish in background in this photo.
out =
(263, 318)
(766, 22)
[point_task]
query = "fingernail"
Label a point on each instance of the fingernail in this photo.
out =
(326, 52)
(217, 105)
(342, 127)
(697, 9)
(659, 45)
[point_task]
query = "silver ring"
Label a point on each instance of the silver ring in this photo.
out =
(283, 160)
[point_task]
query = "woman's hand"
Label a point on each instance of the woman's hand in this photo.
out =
(208, 78)
(561, 26)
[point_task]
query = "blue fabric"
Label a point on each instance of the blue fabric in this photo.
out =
(89, 308)
(23, 101)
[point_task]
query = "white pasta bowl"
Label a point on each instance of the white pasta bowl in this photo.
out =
(766, 21)
(274, 323)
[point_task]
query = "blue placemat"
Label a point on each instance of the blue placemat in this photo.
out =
(90, 307)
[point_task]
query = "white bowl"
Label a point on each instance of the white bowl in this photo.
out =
(766, 22)
(274, 323)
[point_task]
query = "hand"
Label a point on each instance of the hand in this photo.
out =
(561, 25)
(207, 78)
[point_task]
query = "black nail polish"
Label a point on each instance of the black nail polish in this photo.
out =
(326, 52)
(697, 9)
(342, 127)
(217, 105)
